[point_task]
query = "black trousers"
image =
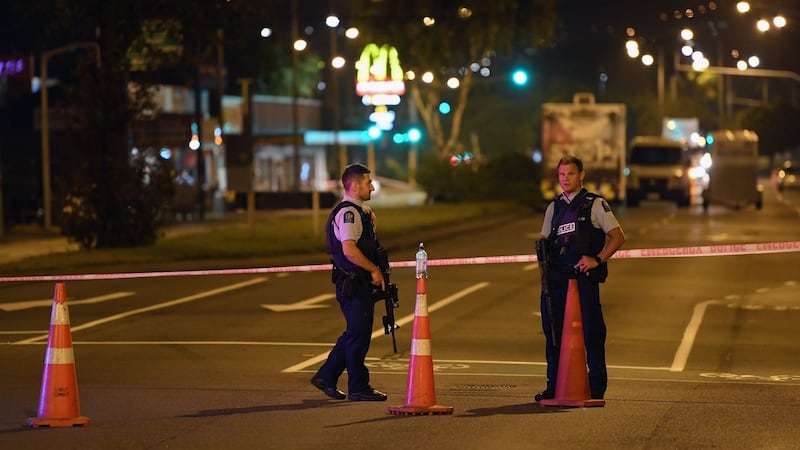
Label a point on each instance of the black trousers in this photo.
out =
(594, 329)
(352, 346)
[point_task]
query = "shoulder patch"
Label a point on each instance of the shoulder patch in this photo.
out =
(349, 217)
(606, 208)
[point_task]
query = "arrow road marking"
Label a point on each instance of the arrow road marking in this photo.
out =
(310, 303)
(407, 319)
(16, 306)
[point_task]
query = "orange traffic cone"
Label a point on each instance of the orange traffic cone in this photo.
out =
(572, 385)
(58, 399)
(421, 394)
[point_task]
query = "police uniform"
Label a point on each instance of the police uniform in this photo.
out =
(575, 226)
(350, 221)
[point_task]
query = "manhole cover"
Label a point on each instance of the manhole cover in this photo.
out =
(481, 387)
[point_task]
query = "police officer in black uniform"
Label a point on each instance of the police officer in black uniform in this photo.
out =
(353, 244)
(581, 234)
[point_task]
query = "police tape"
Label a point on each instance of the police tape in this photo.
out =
(662, 252)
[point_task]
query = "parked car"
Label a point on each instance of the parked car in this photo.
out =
(788, 177)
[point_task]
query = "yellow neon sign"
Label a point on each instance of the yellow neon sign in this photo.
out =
(379, 71)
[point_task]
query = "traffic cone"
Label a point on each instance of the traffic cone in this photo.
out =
(572, 385)
(58, 399)
(421, 393)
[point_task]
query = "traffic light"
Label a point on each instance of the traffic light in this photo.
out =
(520, 77)
(414, 135)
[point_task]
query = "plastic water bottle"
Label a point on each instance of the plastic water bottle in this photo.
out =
(422, 262)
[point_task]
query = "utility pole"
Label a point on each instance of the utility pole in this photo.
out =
(2, 218)
(45, 124)
(295, 94)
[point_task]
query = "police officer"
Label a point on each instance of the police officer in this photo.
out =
(581, 233)
(352, 242)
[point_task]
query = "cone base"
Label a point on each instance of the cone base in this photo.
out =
(35, 422)
(589, 403)
(410, 410)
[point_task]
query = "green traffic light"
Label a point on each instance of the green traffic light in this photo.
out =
(520, 77)
(414, 135)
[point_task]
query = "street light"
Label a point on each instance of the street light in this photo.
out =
(45, 123)
(337, 62)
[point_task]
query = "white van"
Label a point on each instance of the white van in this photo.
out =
(734, 169)
(658, 169)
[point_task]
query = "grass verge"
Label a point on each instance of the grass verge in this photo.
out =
(286, 237)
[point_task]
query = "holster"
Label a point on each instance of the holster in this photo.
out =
(348, 280)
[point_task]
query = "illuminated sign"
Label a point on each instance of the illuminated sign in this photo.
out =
(15, 75)
(380, 75)
(9, 67)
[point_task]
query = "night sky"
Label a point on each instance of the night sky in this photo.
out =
(716, 25)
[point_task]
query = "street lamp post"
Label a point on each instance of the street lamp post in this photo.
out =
(333, 22)
(45, 123)
(660, 76)
(295, 95)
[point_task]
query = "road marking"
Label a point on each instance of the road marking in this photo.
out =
(155, 307)
(310, 303)
(409, 318)
(16, 306)
(689, 334)
(24, 332)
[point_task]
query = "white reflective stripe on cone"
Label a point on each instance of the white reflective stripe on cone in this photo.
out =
(421, 347)
(60, 356)
(421, 310)
(60, 315)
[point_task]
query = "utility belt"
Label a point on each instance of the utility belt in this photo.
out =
(349, 280)
(562, 268)
(598, 274)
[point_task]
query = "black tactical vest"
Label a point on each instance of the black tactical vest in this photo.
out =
(572, 234)
(367, 243)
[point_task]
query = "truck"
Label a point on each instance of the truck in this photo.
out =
(658, 169)
(734, 170)
(595, 132)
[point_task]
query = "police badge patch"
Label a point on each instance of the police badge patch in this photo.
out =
(606, 208)
(349, 217)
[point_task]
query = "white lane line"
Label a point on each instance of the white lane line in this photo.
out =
(155, 307)
(309, 303)
(409, 318)
(689, 334)
(24, 332)
(531, 266)
(16, 306)
(537, 363)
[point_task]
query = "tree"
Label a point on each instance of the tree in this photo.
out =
(776, 126)
(115, 196)
(452, 39)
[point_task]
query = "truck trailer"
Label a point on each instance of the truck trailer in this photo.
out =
(734, 170)
(595, 132)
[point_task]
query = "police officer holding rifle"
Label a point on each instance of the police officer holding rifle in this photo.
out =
(359, 278)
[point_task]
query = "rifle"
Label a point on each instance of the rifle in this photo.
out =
(543, 256)
(389, 295)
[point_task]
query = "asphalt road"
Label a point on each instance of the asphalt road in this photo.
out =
(701, 350)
